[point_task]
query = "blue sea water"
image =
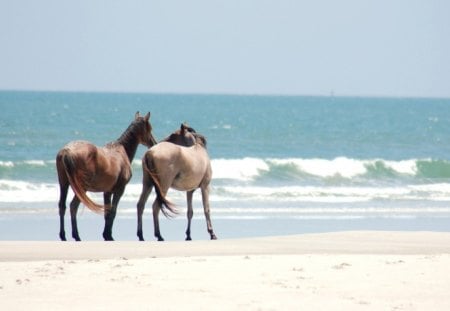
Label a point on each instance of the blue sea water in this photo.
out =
(281, 164)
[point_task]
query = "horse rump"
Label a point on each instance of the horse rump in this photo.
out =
(167, 208)
(74, 175)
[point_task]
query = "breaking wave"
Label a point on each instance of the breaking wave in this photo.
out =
(256, 187)
(345, 168)
(248, 169)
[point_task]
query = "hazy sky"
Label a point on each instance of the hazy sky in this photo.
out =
(345, 47)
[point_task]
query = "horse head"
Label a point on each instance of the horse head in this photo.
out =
(185, 136)
(143, 129)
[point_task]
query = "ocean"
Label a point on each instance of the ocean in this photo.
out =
(281, 164)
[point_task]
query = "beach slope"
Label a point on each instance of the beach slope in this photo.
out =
(329, 271)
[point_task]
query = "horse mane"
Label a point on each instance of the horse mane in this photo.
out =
(184, 127)
(188, 128)
(128, 138)
(128, 134)
(200, 139)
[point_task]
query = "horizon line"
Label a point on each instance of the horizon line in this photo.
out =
(181, 93)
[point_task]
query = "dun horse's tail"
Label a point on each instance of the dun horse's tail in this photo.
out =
(168, 208)
(74, 180)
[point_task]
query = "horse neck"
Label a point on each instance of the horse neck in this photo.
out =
(180, 140)
(130, 143)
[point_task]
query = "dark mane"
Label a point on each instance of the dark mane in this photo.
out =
(128, 134)
(200, 139)
(184, 136)
(128, 139)
(189, 129)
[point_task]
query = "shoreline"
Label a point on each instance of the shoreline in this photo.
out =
(37, 227)
(347, 242)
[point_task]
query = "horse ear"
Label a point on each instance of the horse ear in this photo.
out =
(136, 116)
(183, 127)
(147, 116)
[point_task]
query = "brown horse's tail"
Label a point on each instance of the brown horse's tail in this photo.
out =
(168, 208)
(73, 177)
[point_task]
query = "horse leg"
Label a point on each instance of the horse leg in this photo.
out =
(156, 208)
(110, 214)
(62, 209)
(190, 213)
(107, 201)
(146, 190)
(73, 216)
(205, 200)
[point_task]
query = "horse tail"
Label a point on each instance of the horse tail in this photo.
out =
(74, 181)
(168, 208)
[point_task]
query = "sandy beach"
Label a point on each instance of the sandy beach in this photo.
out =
(328, 271)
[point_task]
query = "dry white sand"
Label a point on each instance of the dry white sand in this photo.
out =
(332, 271)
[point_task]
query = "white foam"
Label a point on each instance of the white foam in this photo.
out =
(27, 162)
(435, 188)
(250, 168)
(408, 167)
(240, 169)
(21, 191)
(316, 193)
(340, 166)
(7, 163)
(35, 162)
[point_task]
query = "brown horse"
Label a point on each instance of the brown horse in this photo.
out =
(180, 162)
(86, 167)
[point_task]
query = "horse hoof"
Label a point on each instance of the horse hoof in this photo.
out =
(188, 238)
(160, 239)
(107, 236)
(213, 237)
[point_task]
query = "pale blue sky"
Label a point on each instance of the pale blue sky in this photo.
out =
(348, 47)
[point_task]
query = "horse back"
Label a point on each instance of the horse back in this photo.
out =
(193, 157)
(101, 168)
(182, 168)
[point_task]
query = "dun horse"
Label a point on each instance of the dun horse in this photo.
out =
(180, 162)
(86, 167)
